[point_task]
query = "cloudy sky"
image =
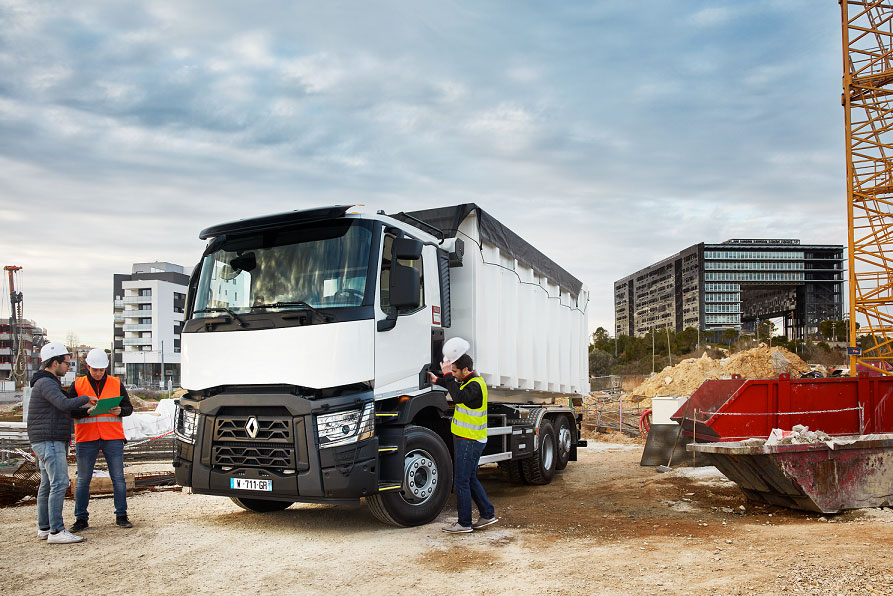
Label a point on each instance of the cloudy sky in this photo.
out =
(608, 134)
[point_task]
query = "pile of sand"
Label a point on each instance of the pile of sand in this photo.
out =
(761, 362)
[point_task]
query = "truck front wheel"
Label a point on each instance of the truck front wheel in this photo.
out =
(260, 505)
(427, 478)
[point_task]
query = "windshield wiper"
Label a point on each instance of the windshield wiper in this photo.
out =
(229, 311)
(300, 303)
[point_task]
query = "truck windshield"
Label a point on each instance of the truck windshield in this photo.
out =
(323, 266)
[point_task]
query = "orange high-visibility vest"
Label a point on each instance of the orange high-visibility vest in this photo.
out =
(103, 426)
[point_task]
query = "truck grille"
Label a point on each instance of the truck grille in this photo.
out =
(236, 428)
(255, 455)
(272, 446)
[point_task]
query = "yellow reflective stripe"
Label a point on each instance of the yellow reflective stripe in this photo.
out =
(97, 419)
(471, 416)
(471, 412)
(464, 424)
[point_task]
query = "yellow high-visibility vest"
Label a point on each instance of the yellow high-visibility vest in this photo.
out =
(471, 423)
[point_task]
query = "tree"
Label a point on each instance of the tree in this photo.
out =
(602, 341)
(600, 363)
(765, 329)
(72, 341)
(834, 330)
(685, 341)
(729, 335)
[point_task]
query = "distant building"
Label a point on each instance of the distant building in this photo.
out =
(733, 285)
(78, 367)
(149, 305)
(32, 338)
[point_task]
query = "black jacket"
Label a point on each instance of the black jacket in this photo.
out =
(49, 417)
(126, 406)
(471, 397)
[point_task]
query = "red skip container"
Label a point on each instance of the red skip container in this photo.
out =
(736, 409)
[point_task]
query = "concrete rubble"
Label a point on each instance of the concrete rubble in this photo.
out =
(683, 379)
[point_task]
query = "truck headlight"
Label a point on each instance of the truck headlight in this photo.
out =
(185, 425)
(344, 428)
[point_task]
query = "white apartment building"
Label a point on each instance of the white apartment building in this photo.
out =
(149, 307)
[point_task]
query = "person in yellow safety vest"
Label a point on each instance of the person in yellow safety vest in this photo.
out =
(469, 427)
(103, 432)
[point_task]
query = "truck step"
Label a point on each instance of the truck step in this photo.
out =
(386, 414)
(386, 486)
(388, 449)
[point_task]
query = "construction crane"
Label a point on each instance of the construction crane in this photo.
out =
(16, 320)
(867, 30)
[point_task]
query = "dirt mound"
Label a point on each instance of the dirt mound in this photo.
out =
(761, 362)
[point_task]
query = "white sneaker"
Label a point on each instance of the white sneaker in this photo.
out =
(64, 537)
(483, 522)
(42, 534)
(456, 528)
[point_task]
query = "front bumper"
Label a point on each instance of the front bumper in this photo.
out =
(285, 452)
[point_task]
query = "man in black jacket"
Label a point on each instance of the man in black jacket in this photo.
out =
(49, 431)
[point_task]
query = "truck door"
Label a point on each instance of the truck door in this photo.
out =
(402, 351)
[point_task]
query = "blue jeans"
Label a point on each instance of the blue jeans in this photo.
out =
(52, 458)
(88, 451)
(466, 483)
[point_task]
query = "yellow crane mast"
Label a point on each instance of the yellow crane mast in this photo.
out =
(867, 29)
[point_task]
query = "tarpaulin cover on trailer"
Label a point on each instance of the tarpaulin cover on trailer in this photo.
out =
(447, 219)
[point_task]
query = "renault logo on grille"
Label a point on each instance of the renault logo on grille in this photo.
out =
(251, 427)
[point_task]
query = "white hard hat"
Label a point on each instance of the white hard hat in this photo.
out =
(97, 358)
(454, 348)
(53, 349)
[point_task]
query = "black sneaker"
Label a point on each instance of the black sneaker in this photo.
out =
(78, 525)
(123, 522)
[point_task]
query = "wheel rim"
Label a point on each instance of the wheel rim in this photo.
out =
(564, 438)
(548, 454)
(419, 477)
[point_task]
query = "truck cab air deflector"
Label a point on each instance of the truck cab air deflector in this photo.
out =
(278, 220)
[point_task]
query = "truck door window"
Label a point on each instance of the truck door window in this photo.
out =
(387, 255)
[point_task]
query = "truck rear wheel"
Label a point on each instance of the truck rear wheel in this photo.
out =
(513, 469)
(563, 438)
(540, 469)
(427, 479)
(260, 505)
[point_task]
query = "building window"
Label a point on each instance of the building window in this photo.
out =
(146, 292)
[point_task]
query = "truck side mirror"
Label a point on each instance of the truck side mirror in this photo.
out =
(404, 290)
(408, 249)
(405, 286)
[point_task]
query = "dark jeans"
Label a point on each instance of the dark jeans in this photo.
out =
(466, 483)
(88, 451)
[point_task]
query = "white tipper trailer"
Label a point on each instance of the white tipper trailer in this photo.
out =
(307, 343)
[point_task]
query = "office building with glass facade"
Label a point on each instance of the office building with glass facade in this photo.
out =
(733, 285)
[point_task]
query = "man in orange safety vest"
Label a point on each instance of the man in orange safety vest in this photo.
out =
(101, 432)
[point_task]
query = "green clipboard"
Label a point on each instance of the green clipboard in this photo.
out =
(104, 405)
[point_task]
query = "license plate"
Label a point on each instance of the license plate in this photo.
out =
(250, 484)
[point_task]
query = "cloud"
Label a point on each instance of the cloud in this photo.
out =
(611, 138)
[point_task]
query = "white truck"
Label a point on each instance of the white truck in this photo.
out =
(309, 336)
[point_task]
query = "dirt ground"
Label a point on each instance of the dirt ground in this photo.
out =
(604, 526)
